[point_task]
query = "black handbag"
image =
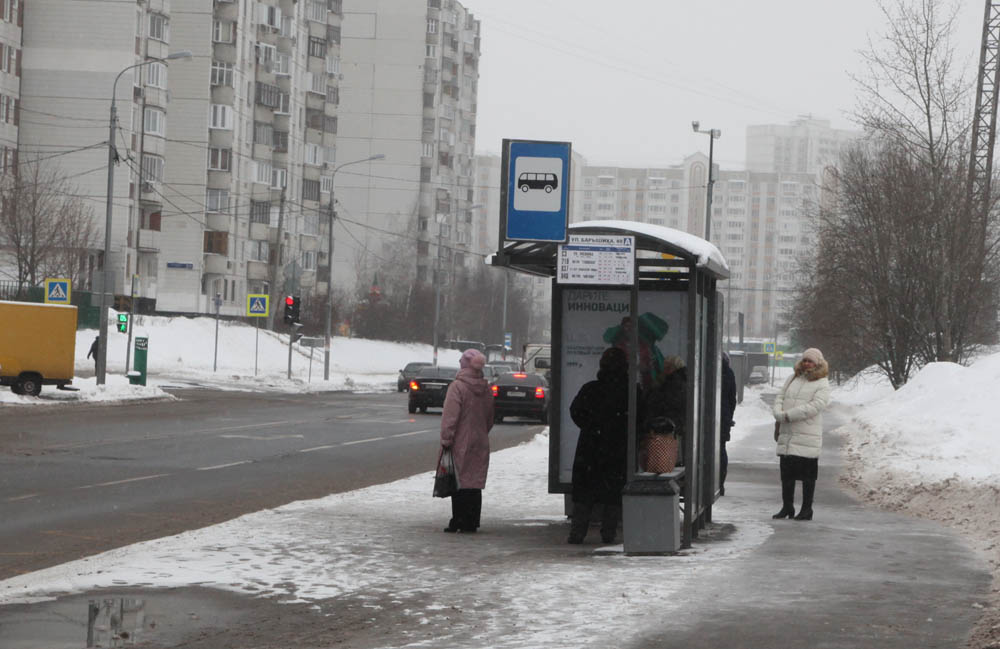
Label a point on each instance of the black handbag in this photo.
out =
(445, 478)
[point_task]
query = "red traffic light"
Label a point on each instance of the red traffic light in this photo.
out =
(289, 300)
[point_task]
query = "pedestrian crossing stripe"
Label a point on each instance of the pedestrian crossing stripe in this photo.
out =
(257, 306)
(57, 291)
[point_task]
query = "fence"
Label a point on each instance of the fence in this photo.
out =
(87, 316)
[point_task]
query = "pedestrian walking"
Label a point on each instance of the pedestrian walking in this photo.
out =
(728, 408)
(94, 348)
(465, 425)
(600, 409)
(798, 431)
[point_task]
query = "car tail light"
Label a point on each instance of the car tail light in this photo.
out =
(496, 390)
(414, 385)
(539, 392)
(520, 376)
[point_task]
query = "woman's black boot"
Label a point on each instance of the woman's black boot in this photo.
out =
(787, 500)
(806, 511)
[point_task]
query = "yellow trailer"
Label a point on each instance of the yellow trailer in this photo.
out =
(37, 345)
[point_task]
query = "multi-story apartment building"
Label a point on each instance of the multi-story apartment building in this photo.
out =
(248, 181)
(806, 146)
(11, 21)
(759, 222)
(410, 80)
(68, 76)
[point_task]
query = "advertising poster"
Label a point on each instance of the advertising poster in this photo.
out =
(595, 319)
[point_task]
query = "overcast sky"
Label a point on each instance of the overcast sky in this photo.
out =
(623, 80)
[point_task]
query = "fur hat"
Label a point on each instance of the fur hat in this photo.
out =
(472, 358)
(614, 360)
(813, 354)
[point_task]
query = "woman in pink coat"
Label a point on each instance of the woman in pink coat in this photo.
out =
(465, 427)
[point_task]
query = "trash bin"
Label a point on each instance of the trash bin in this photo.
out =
(651, 517)
(138, 375)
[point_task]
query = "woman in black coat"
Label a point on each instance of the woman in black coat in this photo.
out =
(600, 409)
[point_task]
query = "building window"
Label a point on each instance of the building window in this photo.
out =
(279, 178)
(282, 64)
(428, 150)
(270, 16)
(259, 251)
(260, 212)
(152, 168)
(267, 95)
(266, 54)
(216, 243)
(284, 106)
(262, 172)
(222, 74)
(312, 155)
(317, 47)
(263, 133)
(217, 200)
(430, 51)
(222, 31)
(220, 116)
(280, 140)
(220, 159)
(326, 184)
(156, 75)
(310, 190)
(316, 11)
(155, 122)
(159, 27)
(308, 260)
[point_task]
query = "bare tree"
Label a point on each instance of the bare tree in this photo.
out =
(45, 229)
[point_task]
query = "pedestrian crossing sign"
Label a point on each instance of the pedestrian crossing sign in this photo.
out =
(769, 348)
(57, 291)
(258, 306)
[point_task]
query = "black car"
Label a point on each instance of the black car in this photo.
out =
(429, 387)
(519, 394)
(407, 373)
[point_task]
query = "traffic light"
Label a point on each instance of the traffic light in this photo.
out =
(123, 323)
(292, 309)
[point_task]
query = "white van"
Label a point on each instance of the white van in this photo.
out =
(537, 359)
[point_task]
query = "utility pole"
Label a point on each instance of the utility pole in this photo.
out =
(272, 291)
(329, 289)
(437, 286)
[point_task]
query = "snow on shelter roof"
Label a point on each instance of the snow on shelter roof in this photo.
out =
(648, 237)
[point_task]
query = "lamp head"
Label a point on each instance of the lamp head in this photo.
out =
(716, 133)
(377, 156)
(694, 125)
(182, 54)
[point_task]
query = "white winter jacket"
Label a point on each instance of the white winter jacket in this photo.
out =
(799, 411)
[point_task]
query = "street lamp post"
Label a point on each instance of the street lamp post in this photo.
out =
(713, 134)
(102, 349)
(440, 218)
(329, 259)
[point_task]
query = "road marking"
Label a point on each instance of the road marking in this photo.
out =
(222, 466)
(24, 497)
(260, 437)
(362, 441)
(114, 482)
(416, 432)
(317, 448)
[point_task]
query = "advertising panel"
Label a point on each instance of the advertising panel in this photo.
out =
(595, 319)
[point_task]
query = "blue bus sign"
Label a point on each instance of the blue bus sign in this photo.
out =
(534, 190)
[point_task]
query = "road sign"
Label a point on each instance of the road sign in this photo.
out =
(778, 355)
(769, 348)
(597, 259)
(258, 306)
(507, 340)
(58, 291)
(534, 190)
(312, 341)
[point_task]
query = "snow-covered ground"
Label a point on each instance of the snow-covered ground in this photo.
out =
(929, 448)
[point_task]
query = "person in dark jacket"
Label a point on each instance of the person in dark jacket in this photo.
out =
(726, 415)
(94, 347)
(600, 409)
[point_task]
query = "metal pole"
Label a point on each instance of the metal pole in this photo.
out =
(329, 285)
(437, 294)
(131, 324)
(256, 341)
(311, 349)
(506, 280)
(711, 181)
(215, 356)
(291, 337)
(102, 346)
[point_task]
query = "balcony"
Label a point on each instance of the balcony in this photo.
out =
(215, 264)
(260, 232)
(258, 270)
(217, 221)
(148, 241)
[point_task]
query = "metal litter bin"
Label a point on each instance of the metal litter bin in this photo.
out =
(651, 516)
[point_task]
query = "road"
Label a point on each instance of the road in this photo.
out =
(81, 479)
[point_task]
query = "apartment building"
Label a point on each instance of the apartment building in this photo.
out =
(760, 222)
(247, 181)
(410, 81)
(67, 79)
(806, 145)
(11, 22)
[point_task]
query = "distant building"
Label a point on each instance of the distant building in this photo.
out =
(807, 145)
(11, 21)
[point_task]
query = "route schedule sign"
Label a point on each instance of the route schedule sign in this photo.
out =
(534, 190)
(597, 259)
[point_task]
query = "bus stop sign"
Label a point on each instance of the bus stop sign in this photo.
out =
(534, 190)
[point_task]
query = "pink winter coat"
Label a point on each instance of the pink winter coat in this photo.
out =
(465, 426)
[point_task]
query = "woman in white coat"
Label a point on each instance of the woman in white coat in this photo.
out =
(798, 430)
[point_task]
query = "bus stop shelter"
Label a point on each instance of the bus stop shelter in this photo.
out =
(672, 296)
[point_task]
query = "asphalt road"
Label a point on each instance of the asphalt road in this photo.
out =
(81, 479)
